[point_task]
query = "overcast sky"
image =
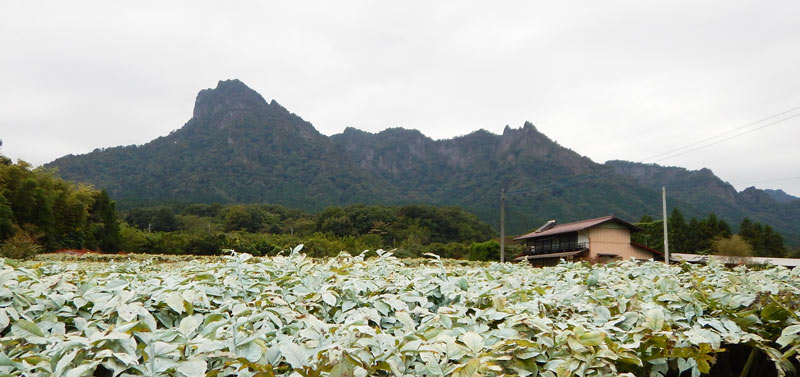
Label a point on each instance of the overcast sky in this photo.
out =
(608, 79)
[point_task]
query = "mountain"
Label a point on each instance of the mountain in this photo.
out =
(708, 193)
(780, 196)
(237, 147)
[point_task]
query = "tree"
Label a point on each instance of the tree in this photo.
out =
(6, 218)
(163, 220)
(485, 251)
(105, 226)
(766, 242)
(709, 229)
(53, 212)
(334, 220)
(237, 218)
(678, 232)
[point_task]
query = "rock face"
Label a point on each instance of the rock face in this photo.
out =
(237, 147)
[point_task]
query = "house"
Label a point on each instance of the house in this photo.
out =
(603, 238)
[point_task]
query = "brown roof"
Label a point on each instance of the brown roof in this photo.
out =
(654, 251)
(576, 226)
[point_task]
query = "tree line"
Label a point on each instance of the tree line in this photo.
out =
(41, 212)
(265, 229)
(703, 236)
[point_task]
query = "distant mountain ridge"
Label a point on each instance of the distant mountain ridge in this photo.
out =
(237, 147)
(780, 196)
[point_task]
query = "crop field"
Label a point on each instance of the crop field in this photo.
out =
(354, 316)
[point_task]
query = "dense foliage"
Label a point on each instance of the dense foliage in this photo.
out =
(347, 316)
(697, 236)
(265, 229)
(41, 210)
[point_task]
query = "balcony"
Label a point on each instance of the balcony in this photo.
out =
(556, 248)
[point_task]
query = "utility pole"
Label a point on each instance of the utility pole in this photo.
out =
(502, 225)
(664, 213)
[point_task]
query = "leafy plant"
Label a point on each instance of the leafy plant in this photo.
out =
(291, 315)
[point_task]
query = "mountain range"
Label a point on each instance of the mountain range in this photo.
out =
(237, 147)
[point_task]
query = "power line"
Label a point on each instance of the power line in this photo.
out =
(729, 138)
(580, 177)
(721, 134)
(565, 181)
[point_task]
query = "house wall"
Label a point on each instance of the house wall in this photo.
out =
(611, 238)
(583, 236)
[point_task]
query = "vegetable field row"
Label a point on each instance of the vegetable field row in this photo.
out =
(351, 316)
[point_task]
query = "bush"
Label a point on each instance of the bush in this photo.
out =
(485, 251)
(20, 246)
(735, 247)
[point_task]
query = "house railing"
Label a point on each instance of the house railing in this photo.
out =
(557, 248)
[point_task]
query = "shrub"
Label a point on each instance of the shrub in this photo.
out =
(20, 246)
(485, 251)
(735, 247)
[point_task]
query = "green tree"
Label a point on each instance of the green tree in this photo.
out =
(6, 218)
(53, 212)
(485, 251)
(163, 220)
(766, 242)
(104, 218)
(237, 218)
(678, 232)
(334, 220)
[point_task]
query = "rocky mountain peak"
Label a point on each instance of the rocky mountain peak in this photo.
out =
(229, 96)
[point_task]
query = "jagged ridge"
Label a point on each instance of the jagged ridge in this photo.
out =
(237, 147)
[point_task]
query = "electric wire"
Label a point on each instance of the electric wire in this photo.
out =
(721, 134)
(729, 138)
(583, 177)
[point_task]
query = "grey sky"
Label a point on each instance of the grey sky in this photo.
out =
(610, 80)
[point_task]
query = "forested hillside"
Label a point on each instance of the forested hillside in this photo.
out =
(41, 212)
(237, 147)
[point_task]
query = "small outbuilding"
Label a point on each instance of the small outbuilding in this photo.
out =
(600, 239)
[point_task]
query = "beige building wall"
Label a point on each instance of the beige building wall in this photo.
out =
(612, 238)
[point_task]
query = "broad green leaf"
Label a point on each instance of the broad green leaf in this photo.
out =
(193, 368)
(592, 338)
(189, 324)
(296, 355)
(329, 298)
(175, 301)
(127, 312)
(4, 321)
(28, 327)
(82, 370)
(473, 341)
(789, 335)
(344, 368)
(654, 319)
